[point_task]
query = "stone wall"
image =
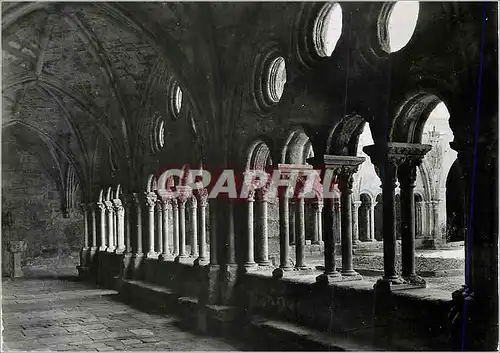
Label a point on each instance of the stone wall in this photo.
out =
(31, 201)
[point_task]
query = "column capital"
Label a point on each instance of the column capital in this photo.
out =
(183, 194)
(356, 203)
(84, 207)
(109, 206)
(150, 200)
(201, 196)
(317, 204)
(100, 205)
(396, 153)
(192, 202)
(117, 203)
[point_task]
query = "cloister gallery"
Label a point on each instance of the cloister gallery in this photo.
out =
(398, 101)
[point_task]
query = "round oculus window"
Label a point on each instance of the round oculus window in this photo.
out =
(327, 29)
(276, 79)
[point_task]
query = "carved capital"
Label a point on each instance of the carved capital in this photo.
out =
(201, 196)
(101, 206)
(84, 207)
(317, 204)
(183, 194)
(150, 200)
(109, 206)
(192, 202)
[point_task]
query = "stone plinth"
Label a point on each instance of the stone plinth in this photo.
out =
(15, 250)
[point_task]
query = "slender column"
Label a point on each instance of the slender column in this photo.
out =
(202, 200)
(138, 224)
(128, 225)
(317, 205)
(418, 219)
(92, 208)
(284, 232)
(193, 205)
(249, 259)
(320, 220)
(159, 227)
(345, 186)
(84, 209)
(371, 222)
(175, 226)
(331, 273)
(337, 226)
(407, 177)
(120, 225)
(182, 198)
(231, 235)
(150, 202)
(166, 207)
(262, 255)
(115, 227)
(109, 210)
(213, 233)
(292, 226)
(102, 223)
(300, 233)
(389, 223)
(355, 226)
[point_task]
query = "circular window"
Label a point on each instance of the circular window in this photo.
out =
(399, 22)
(175, 96)
(327, 29)
(276, 79)
(161, 134)
(177, 99)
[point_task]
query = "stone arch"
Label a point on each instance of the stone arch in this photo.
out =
(344, 137)
(293, 150)
(151, 184)
(258, 155)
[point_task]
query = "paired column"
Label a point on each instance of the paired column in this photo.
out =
(128, 225)
(371, 224)
(284, 216)
(111, 225)
(102, 223)
(249, 251)
(202, 201)
(355, 225)
(407, 174)
(184, 193)
(93, 221)
(150, 202)
(85, 212)
(193, 205)
(345, 185)
(318, 221)
(300, 233)
(262, 256)
(166, 208)
(175, 226)
(138, 224)
(120, 225)
(159, 227)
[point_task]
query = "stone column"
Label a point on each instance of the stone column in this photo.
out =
(249, 251)
(159, 227)
(166, 207)
(128, 225)
(138, 225)
(371, 221)
(93, 226)
(184, 193)
(110, 213)
(175, 226)
(284, 232)
(262, 255)
(407, 175)
(85, 212)
(337, 225)
(418, 220)
(317, 206)
(300, 233)
(193, 205)
(202, 201)
(292, 227)
(120, 225)
(331, 274)
(150, 202)
(355, 226)
(102, 223)
(213, 233)
(231, 235)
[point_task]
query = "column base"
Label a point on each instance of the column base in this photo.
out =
(182, 259)
(201, 261)
(102, 248)
(317, 242)
(350, 275)
(266, 263)
(328, 278)
(166, 257)
(292, 272)
(110, 249)
(415, 280)
(119, 251)
(152, 255)
(194, 255)
(391, 280)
